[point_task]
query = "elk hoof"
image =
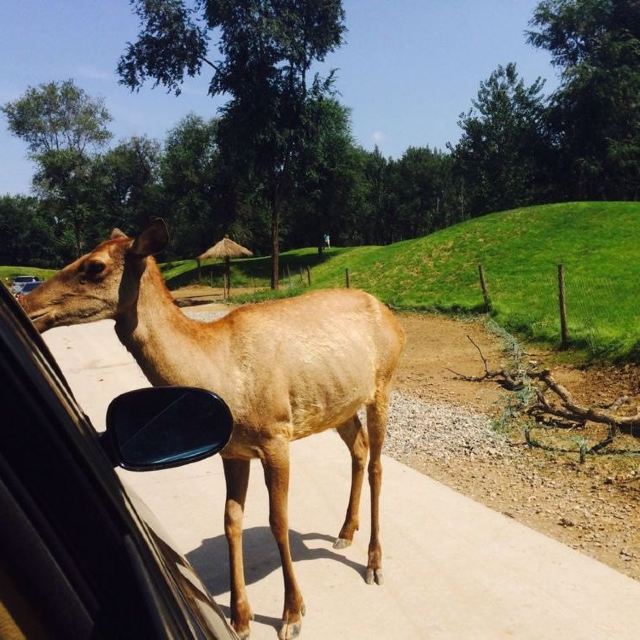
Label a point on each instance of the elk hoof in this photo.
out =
(289, 630)
(341, 543)
(374, 575)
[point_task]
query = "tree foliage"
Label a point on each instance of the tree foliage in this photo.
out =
(501, 150)
(595, 113)
(58, 116)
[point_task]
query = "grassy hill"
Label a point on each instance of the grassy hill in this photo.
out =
(598, 242)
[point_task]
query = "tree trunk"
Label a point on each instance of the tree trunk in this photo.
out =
(275, 244)
(77, 237)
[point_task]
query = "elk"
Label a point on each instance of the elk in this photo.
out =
(286, 368)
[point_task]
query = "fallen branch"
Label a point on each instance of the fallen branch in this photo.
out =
(563, 406)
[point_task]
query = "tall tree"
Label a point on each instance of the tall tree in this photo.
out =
(500, 153)
(595, 113)
(125, 184)
(27, 233)
(62, 126)
(58, 116)
(191, 186)
(267, 49)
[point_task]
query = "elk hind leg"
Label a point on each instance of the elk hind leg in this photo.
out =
(355, 437)
(376, 427)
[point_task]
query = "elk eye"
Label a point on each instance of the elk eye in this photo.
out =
(94, 267)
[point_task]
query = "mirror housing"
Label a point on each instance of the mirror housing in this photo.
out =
(163, 427)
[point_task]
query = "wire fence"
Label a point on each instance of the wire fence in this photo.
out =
(601, 312)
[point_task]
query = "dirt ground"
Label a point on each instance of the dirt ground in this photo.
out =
(593, 507)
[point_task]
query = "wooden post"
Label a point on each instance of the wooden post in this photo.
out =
(485, 292)
(224, 286)
(346, 277)
(227, 266)
(308, 276)
(564, 333)
(301, 277)
(199, 270)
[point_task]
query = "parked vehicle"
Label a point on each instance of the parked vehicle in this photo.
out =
(19, 282)
(27, 287)
(79, 556)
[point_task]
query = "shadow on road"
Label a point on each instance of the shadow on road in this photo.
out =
(261, 557)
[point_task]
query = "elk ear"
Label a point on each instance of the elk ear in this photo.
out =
(116, 233)
(152, 240)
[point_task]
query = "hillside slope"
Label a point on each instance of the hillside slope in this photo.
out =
(520, 251)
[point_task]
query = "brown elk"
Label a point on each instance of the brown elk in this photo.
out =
(286, 368)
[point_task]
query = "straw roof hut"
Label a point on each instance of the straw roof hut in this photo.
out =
(225, 250)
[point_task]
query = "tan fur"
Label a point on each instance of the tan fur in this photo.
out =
(287, 369)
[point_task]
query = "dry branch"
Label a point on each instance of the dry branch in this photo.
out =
(563, 405)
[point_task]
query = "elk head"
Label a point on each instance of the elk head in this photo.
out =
(101, 284)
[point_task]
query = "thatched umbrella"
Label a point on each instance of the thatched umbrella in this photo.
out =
(224, 250)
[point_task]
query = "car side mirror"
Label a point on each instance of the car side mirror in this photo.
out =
(162, 427)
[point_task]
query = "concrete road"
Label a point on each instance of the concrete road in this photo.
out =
(454, 569)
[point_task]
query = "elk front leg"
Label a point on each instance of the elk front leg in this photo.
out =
(236, 473)
(355, 437)
(276, 475)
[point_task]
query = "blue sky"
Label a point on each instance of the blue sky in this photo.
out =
(407, 70)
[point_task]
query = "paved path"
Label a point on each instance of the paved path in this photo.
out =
(453, 568)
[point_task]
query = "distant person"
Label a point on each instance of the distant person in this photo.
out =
(327, 241)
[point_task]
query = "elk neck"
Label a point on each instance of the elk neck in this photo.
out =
(150, 325)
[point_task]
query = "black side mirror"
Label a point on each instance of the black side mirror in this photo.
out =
(162, 427)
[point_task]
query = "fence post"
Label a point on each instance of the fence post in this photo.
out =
(564, 333)
(308, 276)
(346, 277)
(483, 286)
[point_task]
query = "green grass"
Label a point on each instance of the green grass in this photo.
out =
(598, 242)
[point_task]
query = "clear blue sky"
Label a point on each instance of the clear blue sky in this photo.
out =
(407, 70)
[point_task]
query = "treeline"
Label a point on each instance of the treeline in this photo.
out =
(518, 146)
(355, 196)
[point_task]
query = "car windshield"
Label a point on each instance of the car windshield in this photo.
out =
(24, 279)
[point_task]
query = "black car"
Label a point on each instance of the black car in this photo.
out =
(76, 558)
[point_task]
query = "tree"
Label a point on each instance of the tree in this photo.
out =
(62, 126)
(595, 113)
(324, 196)
(58, 116)
(419, 182)
(125, 186)
(267, 49)
(500, 153)
(27, 233)
(193, 186)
